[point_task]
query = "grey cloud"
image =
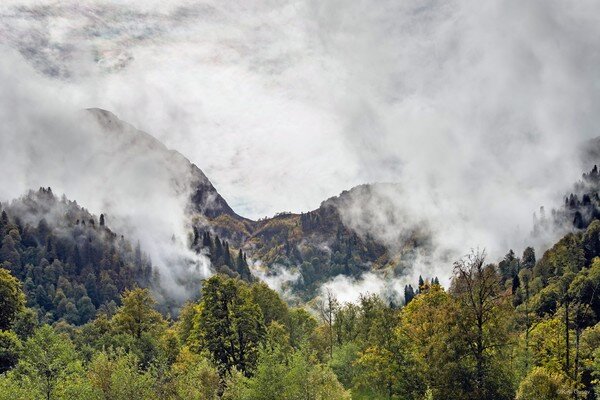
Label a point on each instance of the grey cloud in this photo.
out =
(143, 189)
(473, 107)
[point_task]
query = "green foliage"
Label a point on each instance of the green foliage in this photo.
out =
(297, 376)
(273, 308)
(194, 378)
(596, 371)
(15, 387)
(77, 386)
(12, 299)
(548, 346)
(10, 348)
(429, 325)
(482, 320)
(117, 376)
(541, 384)
(137, 315)
(229, 325)
(301, 327)
(48, 357)
(567, 255)
(343, 363)
(25, 323)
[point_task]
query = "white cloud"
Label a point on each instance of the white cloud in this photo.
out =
(47, 141)
(278, 277)
(473, 106)
(348, 290)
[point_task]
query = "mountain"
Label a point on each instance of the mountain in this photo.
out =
(344, 235)
(319, 244)
(205, 198)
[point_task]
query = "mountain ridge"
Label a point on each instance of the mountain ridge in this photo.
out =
(318, 242)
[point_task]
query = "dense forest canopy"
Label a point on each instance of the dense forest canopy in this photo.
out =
(487, 336)
(79, 319)
(71, 264)
(366, 231)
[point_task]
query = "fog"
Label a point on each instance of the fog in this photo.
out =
(47, 141)
(475, 108)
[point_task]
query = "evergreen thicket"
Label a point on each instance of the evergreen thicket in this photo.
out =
(70, 264)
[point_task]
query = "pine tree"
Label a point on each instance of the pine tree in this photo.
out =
(226, 255)
(217, 257)
(528, 260)
(409, 294)
(3, 222)
(206, 240)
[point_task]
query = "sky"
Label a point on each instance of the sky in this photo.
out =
(474, 108)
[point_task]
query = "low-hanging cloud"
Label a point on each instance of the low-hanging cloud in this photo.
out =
(278, 278)
(474, 108)
(142, 188)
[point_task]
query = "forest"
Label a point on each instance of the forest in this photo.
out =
(82, 316)
(299, 200)
(524, 328)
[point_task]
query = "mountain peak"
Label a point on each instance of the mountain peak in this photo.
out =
(204, 198)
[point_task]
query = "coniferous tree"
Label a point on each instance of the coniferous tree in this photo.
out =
(226, 254)
(206, 240)
(218, 254)
(409, 294)
(528, 260)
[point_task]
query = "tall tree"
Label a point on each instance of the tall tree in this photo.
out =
(47, 358)
(482, 320)
(229, 325)
(327, 307)
(12, 299)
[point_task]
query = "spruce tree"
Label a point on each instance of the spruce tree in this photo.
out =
(206, 240)
(226, 255)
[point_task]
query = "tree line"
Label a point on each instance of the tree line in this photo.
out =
(520, 329)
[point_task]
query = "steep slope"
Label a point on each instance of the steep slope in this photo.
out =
(320, 244)
(71, 264)
(334, 239)
(205, 198)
